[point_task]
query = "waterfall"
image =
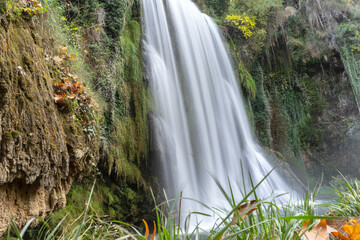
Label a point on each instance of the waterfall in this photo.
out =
(200, 121)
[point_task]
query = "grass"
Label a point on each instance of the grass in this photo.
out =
(348, 197)
(270, 221)
(87, 225)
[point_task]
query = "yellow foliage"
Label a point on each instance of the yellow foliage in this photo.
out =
(243, 22)
(356, 46)
(352, 230)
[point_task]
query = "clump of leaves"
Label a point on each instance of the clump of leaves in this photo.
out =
(242, 22)
(70, 90)
(33, 8)
(63, 60)
(70, 93)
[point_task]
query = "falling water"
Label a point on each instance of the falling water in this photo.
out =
(201, 123)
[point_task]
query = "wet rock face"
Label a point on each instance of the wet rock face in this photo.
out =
(42, 150)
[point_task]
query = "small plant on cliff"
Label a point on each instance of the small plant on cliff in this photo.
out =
(355, 47)
(27, 9)
(69, 89)
(70, 94)
(33, 8)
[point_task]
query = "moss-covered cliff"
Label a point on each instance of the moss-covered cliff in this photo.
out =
(73, 103)
(44, 147)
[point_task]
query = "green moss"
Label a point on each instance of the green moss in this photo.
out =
(8, 135)
(114, 68)
(14, 134)
(351, 59)
(246, 80)
(129, 145)
(27, 60)
(261, 110)
(134, 32)
(114, 200)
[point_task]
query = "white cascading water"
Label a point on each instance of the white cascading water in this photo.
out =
(201, 123)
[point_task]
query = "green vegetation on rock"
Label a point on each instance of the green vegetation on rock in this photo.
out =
(104, 36)
(295, 59)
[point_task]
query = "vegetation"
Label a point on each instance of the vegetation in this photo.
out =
(348, 198)
(219, 6)
(95, 54)
(348, 38)
(287, 55)
(243, 23)
(290, 58)
(27, 9)
(257, 219)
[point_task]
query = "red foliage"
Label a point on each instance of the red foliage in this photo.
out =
(69, 88)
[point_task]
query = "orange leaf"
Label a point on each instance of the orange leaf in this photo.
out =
(320, 232)
(63, 50)
(59, 97)
(340, 235)
(77, 85)
(146, 228)
(72, 96)
(243, 208)
(59, 85)
(348, 228)
(356, 233)
(352, 230)
(154, 233)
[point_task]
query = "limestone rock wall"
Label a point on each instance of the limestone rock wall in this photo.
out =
(43, 149)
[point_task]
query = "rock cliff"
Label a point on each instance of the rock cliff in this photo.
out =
(43, 148)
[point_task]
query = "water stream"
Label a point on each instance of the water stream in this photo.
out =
(202, 128)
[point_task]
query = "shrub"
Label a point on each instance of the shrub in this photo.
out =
(242, 22)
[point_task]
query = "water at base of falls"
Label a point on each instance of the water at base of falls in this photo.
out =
(201, 127)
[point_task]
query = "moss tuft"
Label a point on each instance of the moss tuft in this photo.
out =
(14, 134)
(8, 135)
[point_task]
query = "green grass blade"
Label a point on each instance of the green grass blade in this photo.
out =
(53, 232)
(244, 199)
(16, 230)
(27, 225)
(86, 210)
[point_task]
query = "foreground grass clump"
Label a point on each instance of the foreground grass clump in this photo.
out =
(348, 197)
(269, 220)
(256, 219)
